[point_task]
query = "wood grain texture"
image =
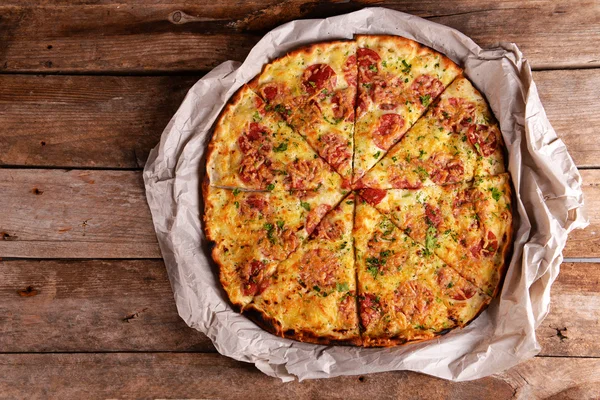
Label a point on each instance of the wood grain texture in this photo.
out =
(586, 242)
(125, 305)
(85, 121)
(62, 212)
(176, 36)
(187, 375)
(113, 122)
(572, 327)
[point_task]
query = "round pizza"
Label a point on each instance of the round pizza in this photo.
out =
(356, 193)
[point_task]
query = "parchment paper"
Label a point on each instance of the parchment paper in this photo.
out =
(549, 205)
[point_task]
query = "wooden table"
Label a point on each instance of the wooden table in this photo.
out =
(86, 87)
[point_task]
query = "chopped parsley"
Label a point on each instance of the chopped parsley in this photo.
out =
(342, 287)
(316, 288)
(430, 241)
(280, 224)
(270, 231)
(449, 286)
(237, 204)
(256, 117)
(270, 186)
(376, 155)
(394, 158)
(311, 83)
(282, 147)
(305, 205)
(423, 174)
(421, 154)
(236, 192)
(425, 100)
(384, 63)
(373, 68)
(407, 67)
(279, 108)
(495, 193)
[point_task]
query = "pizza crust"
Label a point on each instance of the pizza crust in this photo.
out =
(245, 274)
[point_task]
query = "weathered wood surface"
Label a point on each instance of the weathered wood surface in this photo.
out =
(85, 121)
(87, 306)
(185, 375)
(49, 213)
(113, 122)
(586, 243)
(52, 213)
(177, 36)
(127, 305)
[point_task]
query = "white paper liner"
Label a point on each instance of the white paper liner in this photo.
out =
(549, 205)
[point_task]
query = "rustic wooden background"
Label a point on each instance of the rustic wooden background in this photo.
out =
(86, 87)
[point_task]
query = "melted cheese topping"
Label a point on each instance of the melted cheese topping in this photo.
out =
(315, 111)
(455, 222)
(313, 291)
(432, 152)
(402, 63)
(259, 227)
(248, 137)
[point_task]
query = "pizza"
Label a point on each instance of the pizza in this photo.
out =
(356, 193)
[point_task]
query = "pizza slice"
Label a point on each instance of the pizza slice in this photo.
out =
(252, 231)
(253, 148)
(312, 295)
(468, 225)
(405, 292)
(314, 89)
(397, 80)
(455, 141)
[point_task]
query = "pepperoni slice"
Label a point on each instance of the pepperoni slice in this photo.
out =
(491, 245)
(350, 70)
(433, 215)
(399, 182)
(252, 275)
(318, 267)
(302, 172)
(445, 170)
(370, 310)
(314, 216)
(335, 149)
(317, 77)
(270, 92)
(413, 299)
(388, 131)
(483, 138)
(367, 64)
(373, 196)
(427, 88)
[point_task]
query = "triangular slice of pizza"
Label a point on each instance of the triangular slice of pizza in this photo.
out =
(397, 80)
(468, 225)
(405, 292)
(314, 89)
(255, 230)
(455, 141)
(312, 295)
(254, 149)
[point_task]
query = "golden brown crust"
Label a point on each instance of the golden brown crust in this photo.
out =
(254, 312)
(508, 248)
(231, 104)
(404, 41)
(271, 325)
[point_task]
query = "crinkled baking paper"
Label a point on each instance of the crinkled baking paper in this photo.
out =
(549, 205)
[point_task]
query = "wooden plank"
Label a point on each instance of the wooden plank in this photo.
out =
(586, 242)
(91, 306)
(185, 375)
(570, 98)
(65, 211)
(113, 122)
(85, 121)
(174, 36)
(573, 326)
(76, 306)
